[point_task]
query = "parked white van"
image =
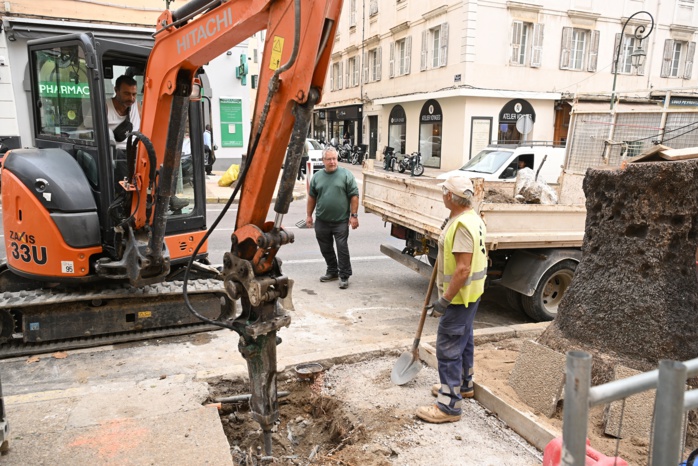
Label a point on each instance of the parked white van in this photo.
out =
(501, 163)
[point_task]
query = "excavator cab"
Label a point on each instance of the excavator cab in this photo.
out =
(63, 201)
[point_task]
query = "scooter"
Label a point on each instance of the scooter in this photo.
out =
(389, 158)
(357, 155)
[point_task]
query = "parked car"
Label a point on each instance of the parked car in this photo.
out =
(501, 162)
(431, 146)
(314, 154)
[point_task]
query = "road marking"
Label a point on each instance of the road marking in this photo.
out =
(318, 261)
(353, 259)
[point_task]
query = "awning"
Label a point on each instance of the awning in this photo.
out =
(469, 92)
(31, 28)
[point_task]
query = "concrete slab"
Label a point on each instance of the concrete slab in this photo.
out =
(637, 413)
(187, 437)
(147, 399)
(538, 377)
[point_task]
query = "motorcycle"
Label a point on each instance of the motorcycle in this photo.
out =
(389, 158)
(413, 163)
(357, 155)
(344, 153)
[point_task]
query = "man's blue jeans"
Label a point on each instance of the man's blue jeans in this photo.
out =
(327, 233)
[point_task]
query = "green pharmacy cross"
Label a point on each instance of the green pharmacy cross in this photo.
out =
(242, 70)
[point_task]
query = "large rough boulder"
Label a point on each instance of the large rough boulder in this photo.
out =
(635, 293)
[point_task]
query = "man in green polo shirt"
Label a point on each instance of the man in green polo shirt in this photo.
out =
(334, 197)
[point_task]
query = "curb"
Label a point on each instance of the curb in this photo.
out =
(297, 196)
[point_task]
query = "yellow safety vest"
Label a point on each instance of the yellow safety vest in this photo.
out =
(475, 285)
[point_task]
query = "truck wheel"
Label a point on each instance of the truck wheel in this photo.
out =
(513, 299)
(542, 306)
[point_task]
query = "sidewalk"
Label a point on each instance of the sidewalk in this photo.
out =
(162, 420)
(220, 194)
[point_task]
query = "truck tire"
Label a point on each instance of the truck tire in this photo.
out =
(513, 299)
(542, 306)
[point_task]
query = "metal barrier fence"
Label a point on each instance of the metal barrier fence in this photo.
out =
(605, 138)
(671, 402)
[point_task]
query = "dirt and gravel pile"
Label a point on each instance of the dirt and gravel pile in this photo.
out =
(353, 415)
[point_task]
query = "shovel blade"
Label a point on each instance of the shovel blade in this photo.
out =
(406, 368)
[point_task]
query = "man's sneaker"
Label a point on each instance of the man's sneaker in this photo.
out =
(343, 283)
(328, 277)
(465, 393)
(434, 415)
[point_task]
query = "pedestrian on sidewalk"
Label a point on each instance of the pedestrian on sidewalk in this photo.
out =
(304, 162)
(334, 196)
(462, 264)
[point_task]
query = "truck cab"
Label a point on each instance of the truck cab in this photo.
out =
(502, 163)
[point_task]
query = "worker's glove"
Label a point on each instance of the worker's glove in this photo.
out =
(439, 307)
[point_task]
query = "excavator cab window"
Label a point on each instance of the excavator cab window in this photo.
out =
(64, 105)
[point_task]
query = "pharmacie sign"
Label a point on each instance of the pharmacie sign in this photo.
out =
(65, 90)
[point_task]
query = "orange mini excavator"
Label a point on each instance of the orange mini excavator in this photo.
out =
(95, 244)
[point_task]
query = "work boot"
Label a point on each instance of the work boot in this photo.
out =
(328, 277)
(177, 203)
(434, 415)
(464, 392)
(344, 283)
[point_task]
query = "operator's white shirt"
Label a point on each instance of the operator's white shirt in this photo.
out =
(114, 120)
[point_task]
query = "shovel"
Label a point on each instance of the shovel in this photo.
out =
(409, 365)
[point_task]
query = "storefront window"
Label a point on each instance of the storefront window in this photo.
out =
(397, 129)
(430, 129)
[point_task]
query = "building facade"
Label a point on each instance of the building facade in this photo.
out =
(448, 77)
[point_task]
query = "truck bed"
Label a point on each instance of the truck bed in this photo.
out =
(416, 203)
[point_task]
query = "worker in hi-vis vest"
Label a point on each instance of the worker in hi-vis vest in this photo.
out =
(462, 264)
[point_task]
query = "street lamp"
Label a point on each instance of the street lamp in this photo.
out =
(637, 57)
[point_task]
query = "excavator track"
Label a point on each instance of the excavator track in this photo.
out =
(14, 349)
(41, 321)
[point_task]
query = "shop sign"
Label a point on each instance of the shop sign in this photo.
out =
(431, 112)
(515, 109)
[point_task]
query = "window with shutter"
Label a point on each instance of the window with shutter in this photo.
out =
(378, 73)
(616, 46)
(516, 28)
(339, 75)
(373, 8)
(391, 67)
(408, 54)
(537, 50)
(579, 49)
(672, 57)
(352, 19)
(423, 57)
(356, 71)
(435, 46)
(444, 45)
(688, 70)
(594, 51)
(666, 58)
(365, 67)
(566, 48)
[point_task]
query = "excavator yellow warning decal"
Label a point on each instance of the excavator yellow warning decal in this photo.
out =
(276, 50)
